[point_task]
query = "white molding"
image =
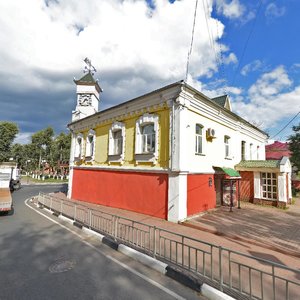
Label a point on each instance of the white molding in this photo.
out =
(111, 156)
(143, 120)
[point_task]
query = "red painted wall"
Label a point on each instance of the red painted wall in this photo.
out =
(200, 196)
(247, 186)
(140, 192)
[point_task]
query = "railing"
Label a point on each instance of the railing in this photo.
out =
(233, 272)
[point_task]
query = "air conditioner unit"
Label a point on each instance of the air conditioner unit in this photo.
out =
(211, 133)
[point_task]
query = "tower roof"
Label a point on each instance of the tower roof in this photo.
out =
(88, 79)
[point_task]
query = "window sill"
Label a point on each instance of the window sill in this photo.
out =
(115, 158)
(200, 154)
(145, 157)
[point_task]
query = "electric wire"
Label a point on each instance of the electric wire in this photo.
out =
(247, 42)
(191, 45)
(286, 125)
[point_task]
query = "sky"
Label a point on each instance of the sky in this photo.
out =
(247, 49)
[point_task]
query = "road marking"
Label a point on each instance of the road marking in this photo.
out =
(158, 285)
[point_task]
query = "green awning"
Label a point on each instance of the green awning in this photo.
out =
(228, 171)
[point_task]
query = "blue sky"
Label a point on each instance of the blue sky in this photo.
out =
(249, 49)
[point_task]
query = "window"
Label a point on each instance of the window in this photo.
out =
(199, 139)
(116, 144)
(90, 145)
(227, 146)
(257, 152)
(78, 146)
(146, 138)
(251, 150)
(269, 186)
(243, 150)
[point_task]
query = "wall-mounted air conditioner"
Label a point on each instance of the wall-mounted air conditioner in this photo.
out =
(211, 133)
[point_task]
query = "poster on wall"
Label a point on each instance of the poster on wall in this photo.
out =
(226, 193)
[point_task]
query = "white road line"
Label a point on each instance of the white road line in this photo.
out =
(166, 290)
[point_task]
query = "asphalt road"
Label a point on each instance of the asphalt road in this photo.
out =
(40, 259)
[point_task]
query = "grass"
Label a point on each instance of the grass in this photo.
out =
(48, 180)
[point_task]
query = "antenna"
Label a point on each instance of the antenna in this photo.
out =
(89, 67)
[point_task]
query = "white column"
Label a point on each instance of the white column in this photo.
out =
(282, 187)
(177, 197)
(257, 185)
(71, 165)
(290, 185)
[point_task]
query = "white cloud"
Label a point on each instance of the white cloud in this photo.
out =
(233, 9)
(272, 98)
(23, 138)
(253, 66)
(120, 37)
(274, 11)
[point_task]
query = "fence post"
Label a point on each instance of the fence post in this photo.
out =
(220, 269)
(154, 241)
(273, 281)
(115, 220)
(75, 209)
(90, 217)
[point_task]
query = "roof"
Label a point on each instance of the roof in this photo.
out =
(88, 79)
(277, 150)
(228, 171)
(221, 100)
(178, 83)
(258, 164)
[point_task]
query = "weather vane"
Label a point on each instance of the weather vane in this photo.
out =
(89, 67)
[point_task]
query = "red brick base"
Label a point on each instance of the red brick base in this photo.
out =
(275, 203)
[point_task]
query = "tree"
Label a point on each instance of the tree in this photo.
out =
(294, 146)
(8, 132)
(41, 145)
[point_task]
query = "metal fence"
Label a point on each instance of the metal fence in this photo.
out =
(230, 271)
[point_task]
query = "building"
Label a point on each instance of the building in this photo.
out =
(277, 150)
(170, 153)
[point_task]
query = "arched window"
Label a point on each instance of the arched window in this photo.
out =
(199, 139)
(90, 145)
(78, 146)
(116, 143)
(146, 138)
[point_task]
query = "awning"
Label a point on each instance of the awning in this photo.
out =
(232, 173)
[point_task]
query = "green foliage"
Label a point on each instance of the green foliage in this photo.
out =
(8, 132)
(294, 146)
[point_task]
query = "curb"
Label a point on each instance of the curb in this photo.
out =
(175, 273)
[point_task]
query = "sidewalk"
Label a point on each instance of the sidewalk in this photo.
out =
(268, 227)
(248, 230)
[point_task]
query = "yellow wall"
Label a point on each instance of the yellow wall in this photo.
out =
(102, 138)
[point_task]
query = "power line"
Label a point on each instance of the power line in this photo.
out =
(192, 40)
(286, 125)
(247, 41)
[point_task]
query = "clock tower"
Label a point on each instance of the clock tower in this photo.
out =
(88, 91)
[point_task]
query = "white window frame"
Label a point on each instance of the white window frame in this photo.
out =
(78, 146)
(112, 157)
(227, 145)
(90, 147)
(140, 156)
(199, 139)
(269, 186)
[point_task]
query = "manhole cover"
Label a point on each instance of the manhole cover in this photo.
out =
(62, 266)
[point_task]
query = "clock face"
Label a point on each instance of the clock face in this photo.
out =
(85, 100)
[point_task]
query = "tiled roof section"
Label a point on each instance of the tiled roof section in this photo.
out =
(221, 100)
(87, 79)
(277, 150)
(258, 164)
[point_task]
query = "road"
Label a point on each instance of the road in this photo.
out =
(41, 259)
